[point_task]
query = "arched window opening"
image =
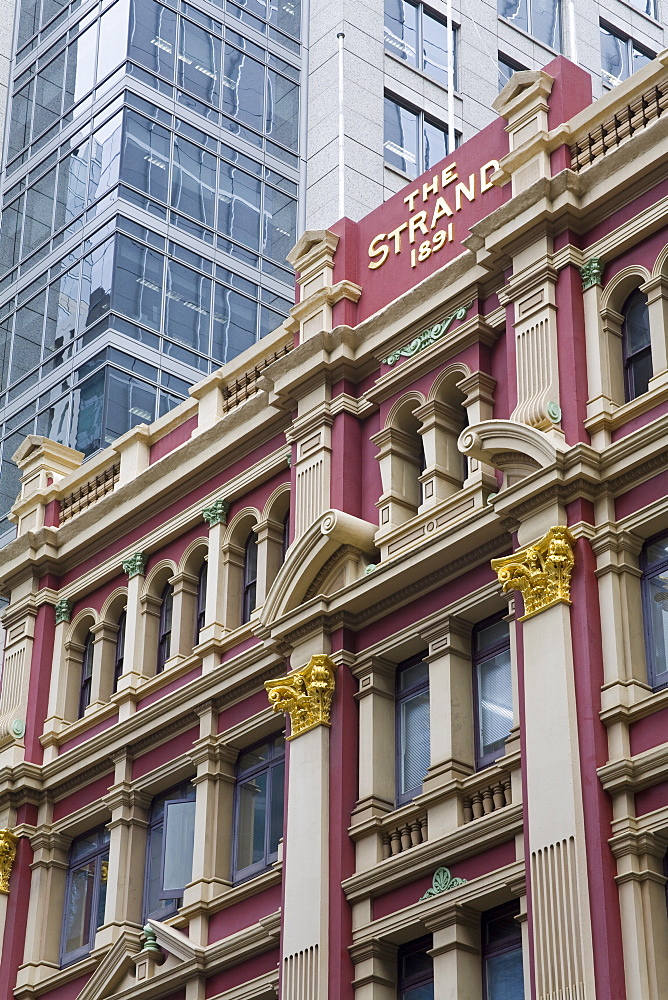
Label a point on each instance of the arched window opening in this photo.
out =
(250, 578)
(86, 675)
(286, 533)
(120, 650)
(636, 345)
(165, 630)
(201, 601)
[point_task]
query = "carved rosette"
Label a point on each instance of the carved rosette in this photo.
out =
(135, 565)
(63, 610)
(8, 842)
(216, 513)
(305, 695)
(541, 572)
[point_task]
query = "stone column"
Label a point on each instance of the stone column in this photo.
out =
(656, 290)
(604, 354)
(105, 635)
(456, 952)
(269, 555)
(215, 516)
(563, 958)
(183, 615)
(443, 476)
(19, 622)
(399, 458)
(375, 970)
(478, 389)
(60, 710)
(127, 852)
(311, 432)
(133, 661)
(305, 953)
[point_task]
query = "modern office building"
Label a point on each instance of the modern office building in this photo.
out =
(161, 160)
(422, 525)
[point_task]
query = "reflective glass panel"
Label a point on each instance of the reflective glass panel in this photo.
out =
(145, 162)
(414, 741)
(234, 324)
(129, 402)
(243, 88)
(152, 36)
(401, 30)
(21, 115)
(514, 11)
(48, 94)
(194, 181)
(12, 222)
(280, 224)
(97, 272)
(113, 38)
(546, 22)
(239, 205)
(505, 976)
(71, 186)
(282, 110)
(80, 73)
(62, 311)
(27, 344)
(198, 64)
(179, 837)
(138, 282)
(251, 819)
(614, 58)
(188, 306)
(105, 156)
(495, 702)
(38, 212)
(435, 144)
(401, 138)
(276, 818)
(435, 48)
(89, 412)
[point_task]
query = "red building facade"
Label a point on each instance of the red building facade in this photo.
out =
(348, 678)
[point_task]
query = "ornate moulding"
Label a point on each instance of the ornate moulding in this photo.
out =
(8, 842)
(216, 513)
(305, 694)
(541, 572)
(135, 565)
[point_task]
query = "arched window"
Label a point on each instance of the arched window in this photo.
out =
(201, 601)
(120, 650)
(636, 345)
(86, 675)
(165, 630)
(250, 578)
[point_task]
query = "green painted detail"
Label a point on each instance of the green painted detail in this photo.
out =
(427, 337)
(135, 565)
(591, 273)
(371, 568)
(443, 882)
(151, 941)
(491, 497)
(18, 728)
(216, 513)
(554, 412)
(288, 458)
(63, 610)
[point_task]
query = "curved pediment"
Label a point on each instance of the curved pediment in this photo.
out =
(315, 562)
(515, 449)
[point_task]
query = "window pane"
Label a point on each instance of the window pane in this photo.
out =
(276, 818)
(640, 58)
(89, 413)
(239, 206)
(280, 224)
(495, 702)
(658, 605)
(38, 212)
(130, 402)
(435, 54)
(138, 279)
(506, 70)
(97, 272)
(113, 38)
(639, 373)
(80, 73)
(546, 22)
(401, 30)
(62, 312)
(146, 156)
(657, 551)
(105, 156)
(179, 842)
(400, 145)
(414, 741)
(410, 676)
(614, 58)
(425, 992)
(505, 979)
(154, 870)
(78, 907)
(12, 221)
(243, 88)
(253, 758)
(435, 144)
(48, 94)
(282, 110)
(188, 306)
(19, 131)
(27, 346)
(194, 181)
(71, 187)
(103, 878)
(152, 36)
(234, 324)
(198, 64)
(514, 11)
(252, 811)
(490, 635)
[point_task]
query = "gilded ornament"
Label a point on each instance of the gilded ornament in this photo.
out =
(305, 695)
(442, 882)
(63, 609)
(427, 337)
(541, 572)
(135, 565)
(216, 513)
(8, 842)
(591, 273)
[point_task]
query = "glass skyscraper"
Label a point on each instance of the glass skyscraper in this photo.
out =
(149, 200)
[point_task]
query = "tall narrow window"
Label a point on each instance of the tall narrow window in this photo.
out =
(250, 578)
(540, 18)
(636, 345)
(412, 143)
(258, 807)
(415, 971)
(85, 894)
(165, 628)
(169, 851)
(86, 675)
(286, 533)
(119, 657)
(201, 601)
(492, 689)
(413, 745)
(502, 973)
(419, 38)
(654, 562)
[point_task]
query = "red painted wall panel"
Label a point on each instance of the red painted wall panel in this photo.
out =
(244, 913)
(164, 753)
(83, 796)
(242, 973)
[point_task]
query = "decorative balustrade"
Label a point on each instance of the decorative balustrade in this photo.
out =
(399, 837)
(636, 116)
(89, 492)
(248, 383)
(487, 799)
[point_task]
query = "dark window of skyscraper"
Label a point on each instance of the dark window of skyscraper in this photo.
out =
(540, 18)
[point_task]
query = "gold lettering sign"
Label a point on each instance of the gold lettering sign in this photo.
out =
(431, 222)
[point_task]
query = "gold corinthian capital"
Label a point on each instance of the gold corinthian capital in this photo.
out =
(8, 842)
(541, 572)
(305, 694)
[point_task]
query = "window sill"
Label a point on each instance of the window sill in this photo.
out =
(530, 37)
(615, 415)
(423, 75)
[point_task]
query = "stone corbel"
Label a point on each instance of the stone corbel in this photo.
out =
(541, 572)
(305, 694)
(8, 842)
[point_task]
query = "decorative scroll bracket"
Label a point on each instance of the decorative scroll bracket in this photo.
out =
(8, 842)
(427, 337)
(541, 572)
(216, 513)
(135, 565)
(305, 695)
(442, 882)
